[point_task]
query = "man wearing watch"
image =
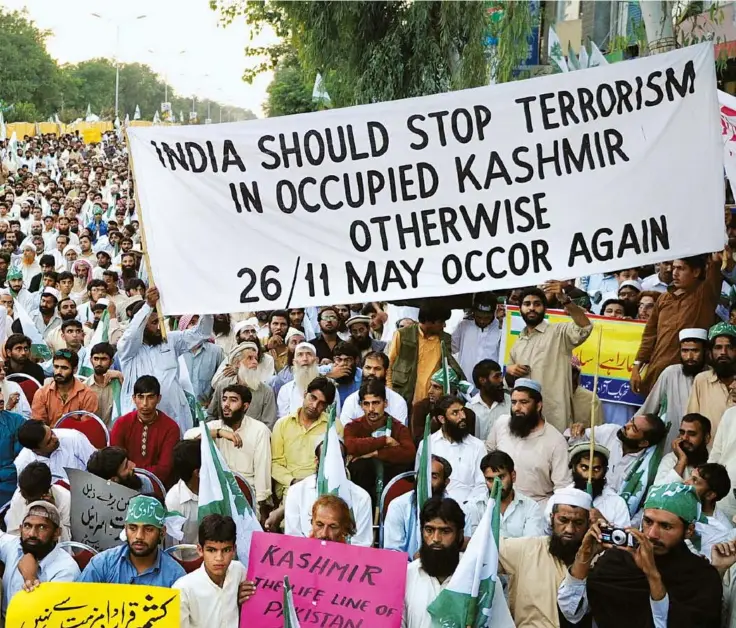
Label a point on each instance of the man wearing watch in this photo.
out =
(542, 351)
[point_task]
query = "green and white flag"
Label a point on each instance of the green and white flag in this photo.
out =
(332, 479)
(596, 57)
(423, 491)
(572, 59)
(185, 380)
(554, 50)
(137, 113)
(583, 59)
(446, 375)
(38, 347)
(474, 596)
(101, 334)
(290, 618)
(219, 493)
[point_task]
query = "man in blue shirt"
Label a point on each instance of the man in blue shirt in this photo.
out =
(140, 560)
(39, 534)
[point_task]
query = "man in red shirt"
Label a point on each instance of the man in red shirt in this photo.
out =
(147, 434)
(380, 445)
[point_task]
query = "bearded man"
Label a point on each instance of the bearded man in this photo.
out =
(676, 381)
(689, 450)
(538, 450)
(224, 334)
(142, 351)
(359, 328)
(304, 369)
(244, 361)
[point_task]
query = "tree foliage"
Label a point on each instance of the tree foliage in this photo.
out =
(289, 92)
(371, 51)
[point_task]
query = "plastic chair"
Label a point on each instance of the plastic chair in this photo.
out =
(29, 385)
(80, 552)
(89, 424)
(3, 512)
(399, 485)
(182, 553)
(247, 489)
(159, 490)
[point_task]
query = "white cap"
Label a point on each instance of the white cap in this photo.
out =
(693, 334)
(291, 332)
(53, 292)
(29, 246)
(632, 283)
(306, 345)
(570, 496)
(241, 325)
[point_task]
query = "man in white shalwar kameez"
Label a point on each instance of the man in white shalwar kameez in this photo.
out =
(140, 354)
(676, 381)
(304, 369)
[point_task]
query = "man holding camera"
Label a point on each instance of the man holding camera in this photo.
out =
(645, 577)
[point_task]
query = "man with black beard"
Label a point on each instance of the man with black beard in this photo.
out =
(689, 450)
(536, 566)
(538, 450)
(492, 400)
(142, 351)
(345, 372)
(224, 334)
(442, 522)
(676, 381)
(39, 535)
(113, 464)
(709, 395)
(359, 328)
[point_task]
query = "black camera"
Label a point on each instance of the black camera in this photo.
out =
(619, 537)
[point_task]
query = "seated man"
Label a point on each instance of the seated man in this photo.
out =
(711, 484)
(400, 527)
(689, 450)
(442, 522)
(140, 560)
(304, 369)
(658, 583)
(183, 497)
(39, 534)
(292, 441)
(147, 434)
(331, 520)
(58, 448)
(302, 496)
(381, 447)
(34, 485)
(112, 463)
(219, 572)
(520, 515)
(65, 393)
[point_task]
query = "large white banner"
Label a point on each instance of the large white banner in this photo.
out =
(482, 189)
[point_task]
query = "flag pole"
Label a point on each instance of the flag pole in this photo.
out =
(146, 259)
(593, 404)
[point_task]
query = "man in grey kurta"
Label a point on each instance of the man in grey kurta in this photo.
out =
(676, 381)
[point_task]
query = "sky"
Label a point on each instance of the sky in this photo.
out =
(211, 66)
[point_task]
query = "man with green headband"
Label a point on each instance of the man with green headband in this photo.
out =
(140, 560)
(657, 582)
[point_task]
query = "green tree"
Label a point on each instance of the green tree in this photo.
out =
(28, 74)
(289, 92)
(372, 51)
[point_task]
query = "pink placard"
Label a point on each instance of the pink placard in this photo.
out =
(334, 584)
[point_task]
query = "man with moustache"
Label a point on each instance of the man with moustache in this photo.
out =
(442, 522)
(243, 441)
(375, 365)
(142, 350)
(709, 395)
(454, 442)
(303, 369)
(224, 334)
(492, 400)
(39, 536)
(480, 336)
(689, 450)
(660, 582)
(113, 464)
(676, 381)
(538, 450)
(711, 484)
(542, 351)
(328, 339)
(245, 359)
(345, 372)
(536, 566)
(359, 328)
(381, 447)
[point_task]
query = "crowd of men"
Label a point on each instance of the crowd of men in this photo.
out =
(635, 528)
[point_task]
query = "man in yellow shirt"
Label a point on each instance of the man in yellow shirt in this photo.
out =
(296, 435)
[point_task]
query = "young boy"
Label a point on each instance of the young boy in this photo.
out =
(209, 595)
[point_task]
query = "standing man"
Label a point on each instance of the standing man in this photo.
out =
(492, 400)
(479, 337)
(542, 351)
(65, 393)
(689, 450)
(462, 450)
(143, 351)
(691, 304)
(660, 280)
(710, 393)
(676, 381)
(416, 353)
(538, 450)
